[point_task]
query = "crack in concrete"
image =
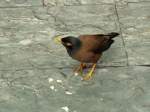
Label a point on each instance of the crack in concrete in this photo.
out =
(139, 2)
(124, 45)
(15, 7)
(49, 67)
(76, 4)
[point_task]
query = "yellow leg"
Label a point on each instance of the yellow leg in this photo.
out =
(80, 68)
(90, 74)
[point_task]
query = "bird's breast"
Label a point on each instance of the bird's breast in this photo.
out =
(85, 56)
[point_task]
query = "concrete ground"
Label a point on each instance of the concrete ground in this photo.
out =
(36, 73)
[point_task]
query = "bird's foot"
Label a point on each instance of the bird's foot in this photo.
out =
(90, 74)
(80, 69)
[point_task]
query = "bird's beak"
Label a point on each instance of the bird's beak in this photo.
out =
(58, 40)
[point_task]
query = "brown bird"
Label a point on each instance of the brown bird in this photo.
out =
(88, 49)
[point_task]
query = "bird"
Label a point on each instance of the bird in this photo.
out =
(88, 48)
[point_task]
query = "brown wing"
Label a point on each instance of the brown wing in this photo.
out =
(85, 53)
(96, 43)
(89, 41)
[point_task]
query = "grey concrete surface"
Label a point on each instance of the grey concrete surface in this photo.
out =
(36, 73)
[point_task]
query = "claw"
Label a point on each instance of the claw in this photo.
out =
(89, 75)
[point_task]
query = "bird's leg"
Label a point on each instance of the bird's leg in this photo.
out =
(90, 73)
(80, 68)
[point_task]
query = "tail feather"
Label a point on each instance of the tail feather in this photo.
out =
(112, 34)
(106, 42)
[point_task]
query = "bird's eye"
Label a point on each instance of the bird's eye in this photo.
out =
(68, 44)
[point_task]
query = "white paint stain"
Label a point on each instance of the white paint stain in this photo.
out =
(7, 0)
(50, 80)
(68, 93)
(65, 108)
(59, 81)
(76, 74)
(25, 42)
(52, 87)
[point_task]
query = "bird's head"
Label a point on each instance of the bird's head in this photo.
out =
(72, 44)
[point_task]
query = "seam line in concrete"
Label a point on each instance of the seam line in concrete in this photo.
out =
(139, 2)
(13, 7)
(65, 5)
(50, 68)
(126, 53)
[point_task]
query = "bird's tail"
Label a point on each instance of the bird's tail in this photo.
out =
(109, 40)
(112, 35)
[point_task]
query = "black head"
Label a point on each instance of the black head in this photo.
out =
(72, 44)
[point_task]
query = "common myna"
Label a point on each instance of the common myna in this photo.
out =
(88, 49)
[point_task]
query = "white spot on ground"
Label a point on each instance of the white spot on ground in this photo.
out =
(68, 93)
(50, 80)
(59, 81)
(76, 74)
(104, 70)
(25, 42)
(66, 109)
(123, 76)
(7, 0)
(52, 87)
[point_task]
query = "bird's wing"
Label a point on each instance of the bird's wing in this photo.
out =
(108, 35)
(89, 42)
(105, 41)
(99, 42)
(103, 45)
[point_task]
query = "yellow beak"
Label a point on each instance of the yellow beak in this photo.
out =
(57, 39)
